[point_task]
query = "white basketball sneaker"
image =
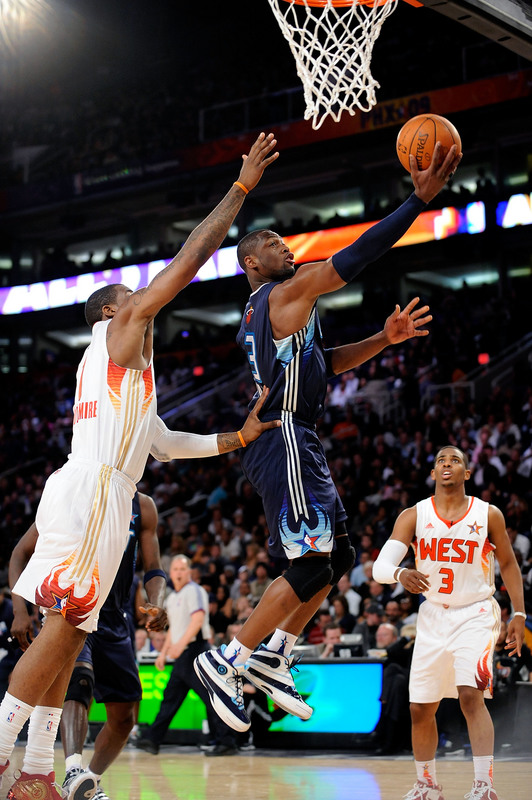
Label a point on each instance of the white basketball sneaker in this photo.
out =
(422, 791)
(272, 673)
(223, 681)
(481, 791)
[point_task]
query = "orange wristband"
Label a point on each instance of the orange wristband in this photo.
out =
(244, 189)
(239, 434)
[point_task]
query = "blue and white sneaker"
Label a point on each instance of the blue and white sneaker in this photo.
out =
(223, 682)
(272, 673)
(79, 784)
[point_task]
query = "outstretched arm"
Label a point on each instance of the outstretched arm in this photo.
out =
(169, 444)
(142, 306)
(292, 301)
(399, 326)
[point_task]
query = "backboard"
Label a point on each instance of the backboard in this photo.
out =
(508, 22)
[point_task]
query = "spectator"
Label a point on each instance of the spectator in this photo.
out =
(354, 600)
(260, 581)
(372, 617)
(393, 729)
(316, 634)
(342, 615)
(332, 637)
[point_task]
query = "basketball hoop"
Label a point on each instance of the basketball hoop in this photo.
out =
(332, 43)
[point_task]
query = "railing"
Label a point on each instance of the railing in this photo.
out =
(179, 403)
(483, 379)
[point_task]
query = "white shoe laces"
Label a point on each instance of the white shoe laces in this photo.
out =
(478, 791)
(238, 684)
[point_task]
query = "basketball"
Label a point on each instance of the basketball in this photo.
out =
(419, 136)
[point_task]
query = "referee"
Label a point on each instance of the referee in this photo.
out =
(188, 634)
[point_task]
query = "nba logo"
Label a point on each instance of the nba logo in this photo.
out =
(10, 716)
(49, 725)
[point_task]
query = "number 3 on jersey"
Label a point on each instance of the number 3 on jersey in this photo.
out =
(250, 349)
(447, 581)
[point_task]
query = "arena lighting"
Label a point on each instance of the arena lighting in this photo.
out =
(517, 210)
(312, 246)
(18, 16)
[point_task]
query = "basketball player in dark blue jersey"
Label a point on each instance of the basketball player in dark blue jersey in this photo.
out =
(280, 332)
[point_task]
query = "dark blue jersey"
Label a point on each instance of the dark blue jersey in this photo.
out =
(293, 368)
(117, 598)
(287, 465)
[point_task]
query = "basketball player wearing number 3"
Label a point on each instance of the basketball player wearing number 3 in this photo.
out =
(455, 538)
(281, 336)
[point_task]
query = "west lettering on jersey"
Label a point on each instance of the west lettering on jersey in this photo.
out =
(459, 551)
(85, 410)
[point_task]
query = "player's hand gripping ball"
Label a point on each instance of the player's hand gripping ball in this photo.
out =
(419, 135)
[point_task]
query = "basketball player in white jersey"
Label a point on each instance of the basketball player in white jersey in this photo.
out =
(84, 514)
(454, 538)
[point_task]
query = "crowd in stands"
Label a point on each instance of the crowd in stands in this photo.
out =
(381, 428)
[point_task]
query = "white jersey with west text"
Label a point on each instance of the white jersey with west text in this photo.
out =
(456, 555)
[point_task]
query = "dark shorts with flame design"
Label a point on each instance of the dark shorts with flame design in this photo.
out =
(289, 470)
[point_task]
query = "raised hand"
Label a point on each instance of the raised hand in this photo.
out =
(406, 324)
(259, 157)
(428, 182)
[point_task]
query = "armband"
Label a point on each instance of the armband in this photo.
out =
(154, 573)
(520, 614)
(389, 558)
(167, 444)
(377, 240)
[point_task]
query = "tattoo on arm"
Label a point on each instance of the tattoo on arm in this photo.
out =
(228, 441)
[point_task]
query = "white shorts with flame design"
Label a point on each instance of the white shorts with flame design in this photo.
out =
(454, 647)
(83, 522)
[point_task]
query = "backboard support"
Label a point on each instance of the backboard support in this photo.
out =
(508, 22)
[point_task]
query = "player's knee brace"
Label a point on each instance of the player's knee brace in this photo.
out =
(81, 686)
(308, 576)
(342, 557)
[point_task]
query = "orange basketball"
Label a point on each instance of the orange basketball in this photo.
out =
(419, 136)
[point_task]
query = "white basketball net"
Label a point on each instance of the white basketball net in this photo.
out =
(332, 47)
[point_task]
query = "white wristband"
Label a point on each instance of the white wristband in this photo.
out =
(520, 614)
(397, 574)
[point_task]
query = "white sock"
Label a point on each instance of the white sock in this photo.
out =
(73, 761)
(236, 653)
(426, 772)
(282, 642)
(483, 766)
(42, 733)
(13, 715)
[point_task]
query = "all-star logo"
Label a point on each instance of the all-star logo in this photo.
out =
(249, 314)
(475, 528)
(63, 603)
